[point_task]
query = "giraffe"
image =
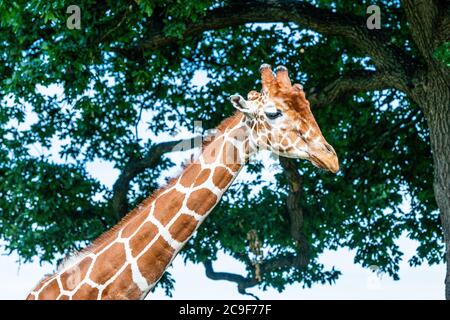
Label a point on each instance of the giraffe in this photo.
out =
(128, 260)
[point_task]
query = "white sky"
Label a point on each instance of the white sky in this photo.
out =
(191, 283)
(423, 282)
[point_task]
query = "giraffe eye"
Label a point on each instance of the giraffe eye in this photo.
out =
(274, 115)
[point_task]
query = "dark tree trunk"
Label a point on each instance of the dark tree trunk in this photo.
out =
(436, 105)
(440, 144)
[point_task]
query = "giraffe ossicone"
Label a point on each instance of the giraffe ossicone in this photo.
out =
(128, 260)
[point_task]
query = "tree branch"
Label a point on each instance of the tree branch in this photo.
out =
(137, 166)
(243, 283)
(423, 17)
(375, 43)
(351, 83)
(295, 210)
(443, 28)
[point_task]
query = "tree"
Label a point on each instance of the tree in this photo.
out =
(381, 96)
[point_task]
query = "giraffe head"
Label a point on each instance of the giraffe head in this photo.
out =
(280, 119)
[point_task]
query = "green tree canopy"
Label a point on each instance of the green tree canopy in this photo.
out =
(375, 94)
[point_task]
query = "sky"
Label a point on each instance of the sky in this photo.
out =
(424, 282)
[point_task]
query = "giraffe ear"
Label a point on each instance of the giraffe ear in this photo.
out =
(239, 103)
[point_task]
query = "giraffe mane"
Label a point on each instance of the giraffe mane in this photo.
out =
(220, 128)
(71, 260)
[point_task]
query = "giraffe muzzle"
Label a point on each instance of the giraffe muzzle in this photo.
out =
(325, 158)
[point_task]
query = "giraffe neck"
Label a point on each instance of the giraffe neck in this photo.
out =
(137, 252)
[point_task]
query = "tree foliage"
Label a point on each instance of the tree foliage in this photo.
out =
(110, 74)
